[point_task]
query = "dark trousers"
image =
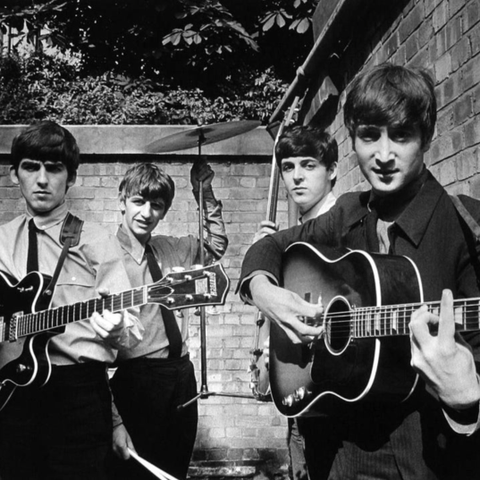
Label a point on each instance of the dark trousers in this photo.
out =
(62, 430)
(147, 393)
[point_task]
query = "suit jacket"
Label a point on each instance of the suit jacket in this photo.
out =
(431, 233)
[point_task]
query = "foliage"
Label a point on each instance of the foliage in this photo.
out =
(182, 42)
(151, 61)
(41, 86)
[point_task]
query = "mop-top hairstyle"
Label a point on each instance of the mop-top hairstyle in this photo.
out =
(392, 95)
(46, 141)
(307, 141)
(149, 181)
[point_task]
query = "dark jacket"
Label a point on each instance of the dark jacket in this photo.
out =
(429, 232)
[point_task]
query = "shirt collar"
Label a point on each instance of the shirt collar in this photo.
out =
(130, 244)
(51, 218)
(414, 219)
(321, 207)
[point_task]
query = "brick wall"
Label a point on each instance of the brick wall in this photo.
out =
(441, 35)
(233, 432)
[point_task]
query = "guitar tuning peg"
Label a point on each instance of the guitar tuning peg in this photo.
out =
(178, 269)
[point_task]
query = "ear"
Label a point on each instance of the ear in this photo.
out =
(71, 180)
(13, 176)
(332, 171)
(122, 205)
(426, 147)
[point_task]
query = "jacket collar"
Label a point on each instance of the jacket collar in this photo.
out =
(414, 219)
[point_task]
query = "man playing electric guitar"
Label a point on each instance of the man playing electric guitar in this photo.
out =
(390, 113)
(63, 429)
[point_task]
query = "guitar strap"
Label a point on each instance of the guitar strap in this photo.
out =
(472, 233)
(69, 237)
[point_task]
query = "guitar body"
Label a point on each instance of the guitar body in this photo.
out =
(23, 362)
(308, 380)
(27, 324)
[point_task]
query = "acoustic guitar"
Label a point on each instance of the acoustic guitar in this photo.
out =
(364, 353)
(27, 324)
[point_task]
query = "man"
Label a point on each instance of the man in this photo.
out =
(390, 113)
(307, 160)
(62, 430)
(153, 383)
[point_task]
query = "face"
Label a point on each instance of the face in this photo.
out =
(307, 180)
(390, 158)
(42, 184)
(141, 216)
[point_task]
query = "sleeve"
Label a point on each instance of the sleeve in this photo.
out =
(265, 256)
(216, 240)
(116, 417)
(467, 422)
(111, 275)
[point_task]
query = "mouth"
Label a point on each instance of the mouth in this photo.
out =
(143, 224)
(385, 173)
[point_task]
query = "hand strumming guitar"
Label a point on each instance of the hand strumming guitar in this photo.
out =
(286, 308)
(442, 357)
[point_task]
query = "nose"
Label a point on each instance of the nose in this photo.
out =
(298, 174)
(42, 176)
(146, 210)
(385, 149)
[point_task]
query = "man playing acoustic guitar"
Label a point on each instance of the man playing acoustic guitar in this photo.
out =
(63, 429)
(429, 431)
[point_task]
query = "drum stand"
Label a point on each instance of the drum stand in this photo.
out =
(181, 141)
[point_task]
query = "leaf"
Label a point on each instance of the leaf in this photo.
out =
(280, 20)
(303, 25)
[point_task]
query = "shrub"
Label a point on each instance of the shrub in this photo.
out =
(43, 86)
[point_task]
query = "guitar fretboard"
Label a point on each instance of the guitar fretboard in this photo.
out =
(392, 320)
(32, 323)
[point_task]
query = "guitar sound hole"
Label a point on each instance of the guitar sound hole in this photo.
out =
(338, 324)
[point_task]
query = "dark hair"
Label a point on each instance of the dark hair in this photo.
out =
(44, 141)
(307, 141)
(392, 95)
(149, 181)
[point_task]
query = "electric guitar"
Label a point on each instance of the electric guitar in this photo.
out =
(364, 353)
(27, 324)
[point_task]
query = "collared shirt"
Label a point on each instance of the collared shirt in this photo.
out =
(91, 265)
(170, 252)
(320, 208)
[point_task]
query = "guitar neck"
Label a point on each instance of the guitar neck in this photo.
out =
(393, 320)
(32, 323)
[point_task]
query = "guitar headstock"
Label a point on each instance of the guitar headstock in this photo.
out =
(191, 288)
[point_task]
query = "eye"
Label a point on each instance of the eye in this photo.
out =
(30, 166)
(137, 201)
(158, 206)
(55, 167)
(287, 167)
(368, 133)
(401, 134)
